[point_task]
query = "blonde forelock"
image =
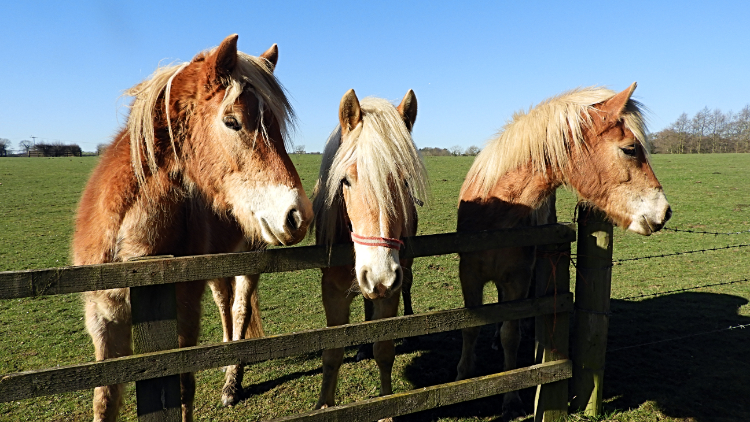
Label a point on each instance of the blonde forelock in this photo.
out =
(250, 73)
(381, 148)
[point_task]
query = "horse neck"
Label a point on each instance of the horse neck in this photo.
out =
(512, 201)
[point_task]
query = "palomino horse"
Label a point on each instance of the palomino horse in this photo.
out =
(370, 174)
(591, 140)
(200, 168)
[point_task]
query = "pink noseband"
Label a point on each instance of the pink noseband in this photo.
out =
(385, 242)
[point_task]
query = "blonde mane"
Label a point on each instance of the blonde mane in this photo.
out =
(381, 149)
(544, 135)
(250, 73)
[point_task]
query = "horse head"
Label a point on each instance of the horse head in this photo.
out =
(227, 116)
(612, 167)
(374, 165)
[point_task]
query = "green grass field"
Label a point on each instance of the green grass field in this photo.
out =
(700, 377)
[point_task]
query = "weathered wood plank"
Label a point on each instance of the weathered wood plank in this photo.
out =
(552, 330)
(593, 287)
(153, 365)
(439, 395)
(154, 314)
(17, 284)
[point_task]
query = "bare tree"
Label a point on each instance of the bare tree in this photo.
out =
(456, 150)
(472, 150)
(717, 126)
(299, 149)
(25, 145)
(4, 146)
(700, 125)
(741, 128)
(681, 128)
(100, 148)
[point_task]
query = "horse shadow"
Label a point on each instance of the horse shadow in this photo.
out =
(673, 354)
(676, 352)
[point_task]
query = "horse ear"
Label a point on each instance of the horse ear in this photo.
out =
(616, 105)
(272, 56)
(408, 109)
(349, 112)
(223, 61)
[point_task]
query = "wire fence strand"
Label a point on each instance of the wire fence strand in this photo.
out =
(686, 289)
(704, 232)
(734, 327)
(742, 245)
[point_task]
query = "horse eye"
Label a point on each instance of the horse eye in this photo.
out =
(232, 123)
(345, 182)
(629, 150)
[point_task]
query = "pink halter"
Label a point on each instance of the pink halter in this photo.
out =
(385, 242)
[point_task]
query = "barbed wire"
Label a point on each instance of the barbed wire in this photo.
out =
(742, 245)
(704, 232)
(734, 327)
(666, 292)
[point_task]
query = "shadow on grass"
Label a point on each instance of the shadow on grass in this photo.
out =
(264, 387)
(437, 364)
(701, 376)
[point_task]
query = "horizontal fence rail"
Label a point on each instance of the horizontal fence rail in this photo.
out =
(59, 380)
(19, 284)
(440, 395)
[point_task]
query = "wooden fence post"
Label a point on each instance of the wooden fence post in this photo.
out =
(592, 294)
(154, 310)
(552, 274)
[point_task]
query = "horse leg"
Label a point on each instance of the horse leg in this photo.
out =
(385, 351)
(336, 303)
(189, 296)
(496, 342)
(408, 342)
(471, 287)
(517, 287)
(406, 289)
(246, 323)
(365, 350)
(108, 321)
(221, 290)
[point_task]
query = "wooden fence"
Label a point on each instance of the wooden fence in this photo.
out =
(157, 363)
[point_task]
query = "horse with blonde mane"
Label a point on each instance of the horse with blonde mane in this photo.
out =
(200, 168)
(365, 194)
(591, 140)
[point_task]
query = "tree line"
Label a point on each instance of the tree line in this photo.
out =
(708, 131)
(56, 149)
(455, 150)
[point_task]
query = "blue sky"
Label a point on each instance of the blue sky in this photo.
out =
(471, 64)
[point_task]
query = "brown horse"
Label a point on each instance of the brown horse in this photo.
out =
(200, 168)
(591, 140)
(369, 178)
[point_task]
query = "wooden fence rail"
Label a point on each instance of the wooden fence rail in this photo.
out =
(18, 284)
(63, 379)
(551, 307)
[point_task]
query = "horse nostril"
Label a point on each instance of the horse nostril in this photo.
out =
(293, 219)
(668, 215)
